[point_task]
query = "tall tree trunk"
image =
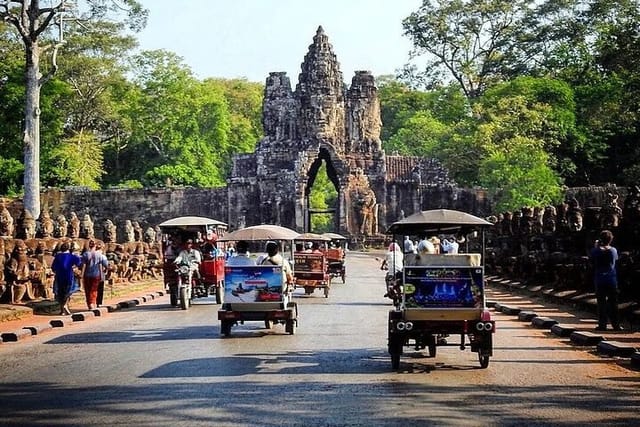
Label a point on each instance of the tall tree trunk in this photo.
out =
(31, 137)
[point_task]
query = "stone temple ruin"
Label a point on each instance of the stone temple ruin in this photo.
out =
(324, 121)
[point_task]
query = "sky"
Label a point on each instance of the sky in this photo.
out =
(251, 38)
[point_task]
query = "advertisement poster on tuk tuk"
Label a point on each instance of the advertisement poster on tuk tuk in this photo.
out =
(309, 262)
(253, 283)
(443, 287)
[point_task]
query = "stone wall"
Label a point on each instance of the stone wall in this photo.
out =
(148, 206)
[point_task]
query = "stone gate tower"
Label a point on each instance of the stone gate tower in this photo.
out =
(321, 120)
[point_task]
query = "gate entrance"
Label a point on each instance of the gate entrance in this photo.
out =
(322, 196)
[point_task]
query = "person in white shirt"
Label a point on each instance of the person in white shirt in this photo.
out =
(450, 246)
(190, 257)
(273, 257)
(393, 260)
(409, 248)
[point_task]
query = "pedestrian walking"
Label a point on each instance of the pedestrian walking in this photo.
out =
(66, 282)
(94, 265)
(603, 257)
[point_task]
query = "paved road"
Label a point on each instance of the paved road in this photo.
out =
(155, 365)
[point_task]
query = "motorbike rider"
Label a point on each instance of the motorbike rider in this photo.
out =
(191, 257)
(393, 263)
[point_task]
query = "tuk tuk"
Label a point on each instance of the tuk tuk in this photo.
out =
(204, 233)
(336, 255)
(442, 294)
(310, 270)
(258, 292)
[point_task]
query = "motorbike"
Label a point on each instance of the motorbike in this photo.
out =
(186, 282)
(393, 285)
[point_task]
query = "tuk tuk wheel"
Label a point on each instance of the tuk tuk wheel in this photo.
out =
(326, 291)
(290, 326)
(395, 350)
(343, 275)
(484, 360)
(173, 296)
(433, 348)
(225, 327)
(395, 361)
(184, 299)
(219, 294)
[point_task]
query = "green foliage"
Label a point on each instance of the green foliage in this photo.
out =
(180, 126)
(520, 176)
(323, 195)
(130, 185)
(465, 40)
(11, 171)
(76, 161)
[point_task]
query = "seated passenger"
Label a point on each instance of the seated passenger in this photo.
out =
(425, 248)
(273, 257)
(242, 256)
(450, 246)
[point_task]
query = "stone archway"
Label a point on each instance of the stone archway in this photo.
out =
(323, 120)
(311, 175)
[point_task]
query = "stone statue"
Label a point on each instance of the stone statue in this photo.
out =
(369, 212)
(631, 210)
(363, 204)
(150, 236)
(138, 232)
(611, 213)
(515, 222)
(538, 220)
(26, 226)
(526, 221)
(86, 227)
(18, 273)
(505, 224)
(74, 223)
(549, 219)
(3, 283)
(46, 225)
(109, 232)
(574, 215)
(129, 232)
(6, 221)
(62, 227)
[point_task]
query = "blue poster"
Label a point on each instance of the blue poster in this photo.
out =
(253, 283)
(443, 287)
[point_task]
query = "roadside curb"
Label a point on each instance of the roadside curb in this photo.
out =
(626, 347)
(42, 325)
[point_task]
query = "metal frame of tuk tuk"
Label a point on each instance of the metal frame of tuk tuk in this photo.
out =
(211, 269)
(428, 321)
(284, 311)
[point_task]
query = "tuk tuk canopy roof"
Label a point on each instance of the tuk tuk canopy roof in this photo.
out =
(437, 220)
(312, 236)
(191, 221)
(261, 232)
(334, 236)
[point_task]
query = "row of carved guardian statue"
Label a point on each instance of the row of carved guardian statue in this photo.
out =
(28, 246)
(549, 246)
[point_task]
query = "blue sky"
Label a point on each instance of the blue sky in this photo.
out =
(250, 38)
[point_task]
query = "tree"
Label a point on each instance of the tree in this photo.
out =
(34, 25)
(465, 40)
(179, 126)
(516, 166)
